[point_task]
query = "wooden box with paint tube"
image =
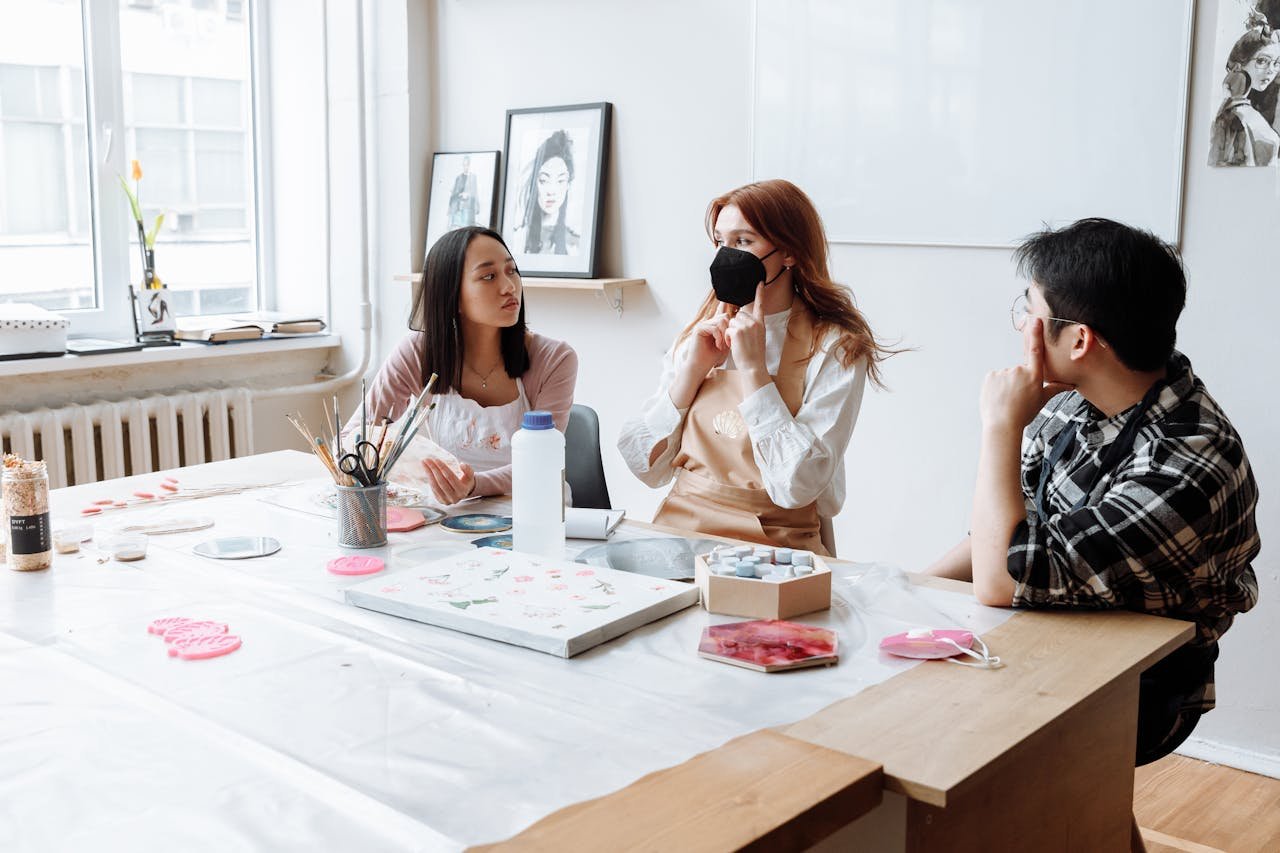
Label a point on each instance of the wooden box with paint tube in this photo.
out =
(763, 582)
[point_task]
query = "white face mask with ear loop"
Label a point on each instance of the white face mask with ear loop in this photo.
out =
(985, 660)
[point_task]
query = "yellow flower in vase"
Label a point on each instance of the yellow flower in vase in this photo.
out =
(146, 239)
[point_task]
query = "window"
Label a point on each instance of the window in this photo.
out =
(171, 84)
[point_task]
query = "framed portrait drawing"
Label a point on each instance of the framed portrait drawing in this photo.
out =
(553, 181)
(464, 191)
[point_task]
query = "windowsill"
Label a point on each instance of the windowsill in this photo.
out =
(186, 352)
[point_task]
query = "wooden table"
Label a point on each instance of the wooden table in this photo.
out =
(1035, 756)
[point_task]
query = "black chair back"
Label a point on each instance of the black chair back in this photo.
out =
(583, 468)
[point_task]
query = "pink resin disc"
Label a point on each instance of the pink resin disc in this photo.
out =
(168, 623)
(194, 629)
(354, 564)
(200, 648)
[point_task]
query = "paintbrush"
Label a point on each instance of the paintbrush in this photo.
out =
(337, 428)
(412, 432)
(411, 414)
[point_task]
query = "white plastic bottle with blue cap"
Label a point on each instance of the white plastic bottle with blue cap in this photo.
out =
(537, 487)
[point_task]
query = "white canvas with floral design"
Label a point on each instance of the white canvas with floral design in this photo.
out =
(548, 605)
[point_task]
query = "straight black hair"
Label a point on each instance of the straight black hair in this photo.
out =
(1126, 284)
(435, 313)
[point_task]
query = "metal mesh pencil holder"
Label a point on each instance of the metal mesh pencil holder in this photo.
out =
(362, 516)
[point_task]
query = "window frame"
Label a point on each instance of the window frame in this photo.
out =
(108, 141)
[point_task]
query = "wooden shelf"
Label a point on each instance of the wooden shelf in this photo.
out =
(601, 286)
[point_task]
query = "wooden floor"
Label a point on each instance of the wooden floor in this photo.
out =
(1187, 805)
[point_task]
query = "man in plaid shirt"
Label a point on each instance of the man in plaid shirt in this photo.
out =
(1108, 477)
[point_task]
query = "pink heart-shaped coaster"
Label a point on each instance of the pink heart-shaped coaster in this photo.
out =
(200, 648)
(167, 623)
(355, 564)
(194, 629)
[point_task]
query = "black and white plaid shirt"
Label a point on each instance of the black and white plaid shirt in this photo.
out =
(1169, 531)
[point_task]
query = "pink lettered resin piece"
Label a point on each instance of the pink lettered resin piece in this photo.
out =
(144, 495)
(91, 510)
(194, 629)
(119, 503)
(200, 648)
(104, 502)
(169, 487)
(354, 564)
(171, 480)
(168, 623)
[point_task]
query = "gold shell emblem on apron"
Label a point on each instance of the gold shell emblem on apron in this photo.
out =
(729, 424)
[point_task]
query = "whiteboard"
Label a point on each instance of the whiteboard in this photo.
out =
(974, 122)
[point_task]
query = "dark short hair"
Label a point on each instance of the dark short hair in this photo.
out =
(1126, 284)
(435, 313)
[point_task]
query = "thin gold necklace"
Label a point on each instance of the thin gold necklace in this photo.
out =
(484, 380)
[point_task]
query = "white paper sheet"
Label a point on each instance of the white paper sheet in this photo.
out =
(336, 727)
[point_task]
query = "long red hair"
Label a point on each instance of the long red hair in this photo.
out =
(782, 214)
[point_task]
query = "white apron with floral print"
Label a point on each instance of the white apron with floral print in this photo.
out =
(478, 435)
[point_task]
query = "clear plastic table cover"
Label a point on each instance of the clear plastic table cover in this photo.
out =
(333, 726)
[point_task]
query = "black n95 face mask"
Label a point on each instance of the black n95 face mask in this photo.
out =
(735, 274)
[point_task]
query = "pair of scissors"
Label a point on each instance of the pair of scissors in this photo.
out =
(361, 464)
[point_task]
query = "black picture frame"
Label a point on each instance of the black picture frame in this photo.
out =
(572, 203)
(453, 202)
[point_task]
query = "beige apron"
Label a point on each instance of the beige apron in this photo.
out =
(718, 488)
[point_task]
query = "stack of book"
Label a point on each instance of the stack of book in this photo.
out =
(242, 327)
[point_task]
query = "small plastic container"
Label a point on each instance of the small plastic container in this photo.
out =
(67, 538)
(125, 547)
(66, 542)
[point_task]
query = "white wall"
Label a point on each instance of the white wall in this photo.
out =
(678, 74)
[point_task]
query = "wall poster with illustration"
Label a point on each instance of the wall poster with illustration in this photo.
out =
(1246, 127)
(554, 164)
(464, 191)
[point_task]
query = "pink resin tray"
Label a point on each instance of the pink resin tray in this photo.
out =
(769, 645)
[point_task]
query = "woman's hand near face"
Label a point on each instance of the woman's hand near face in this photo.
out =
(448, 487)
(746, 342)
(707, 349)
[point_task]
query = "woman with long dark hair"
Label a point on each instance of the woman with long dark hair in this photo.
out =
(759, 394)
(544, 200)
(469, 323)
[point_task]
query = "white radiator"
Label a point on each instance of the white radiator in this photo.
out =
(100, 441)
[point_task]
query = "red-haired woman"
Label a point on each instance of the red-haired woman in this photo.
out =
(759, 394)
